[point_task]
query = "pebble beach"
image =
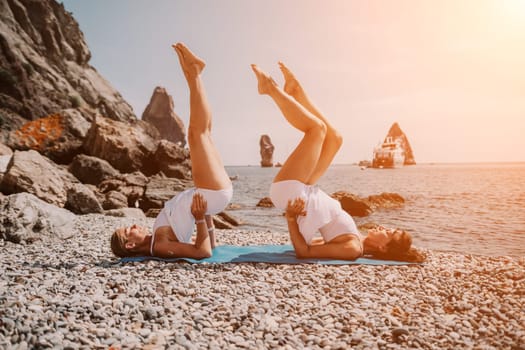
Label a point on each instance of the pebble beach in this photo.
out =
(73, 294)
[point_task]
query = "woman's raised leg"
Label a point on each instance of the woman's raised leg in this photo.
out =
(303, 160)
(206, 163)
(333, 139)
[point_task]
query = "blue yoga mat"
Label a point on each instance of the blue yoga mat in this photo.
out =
(272, 254)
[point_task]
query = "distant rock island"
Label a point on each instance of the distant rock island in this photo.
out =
(394, 151)
(266, 150)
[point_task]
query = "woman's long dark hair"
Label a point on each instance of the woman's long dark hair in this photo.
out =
(401, 250)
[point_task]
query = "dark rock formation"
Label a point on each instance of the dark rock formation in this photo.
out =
(396, 133)
(353, 204)
(385, 200)
(131, 188)
(82, 200)
(159, 190)
(44, 67)
(115, 200)
(359, 206)
(160, 114)
(26, 218)
(265, 202)
(126, 147)
(222, 224)
(91, 170)
(171, 159)
(58, 136)
(229, 218)
(266, 151)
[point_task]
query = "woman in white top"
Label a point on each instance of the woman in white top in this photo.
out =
(173, 229)
(308, 209)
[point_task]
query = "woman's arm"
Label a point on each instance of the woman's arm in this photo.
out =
(343, 247)
(202, 246)
(211, 230)
(293, 210)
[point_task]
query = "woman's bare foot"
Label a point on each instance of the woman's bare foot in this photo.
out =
(191, 65)
(291, 84)
(265, 81)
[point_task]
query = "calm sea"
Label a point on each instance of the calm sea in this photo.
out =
(469, 208)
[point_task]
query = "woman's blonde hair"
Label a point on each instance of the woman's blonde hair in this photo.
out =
(118, 246)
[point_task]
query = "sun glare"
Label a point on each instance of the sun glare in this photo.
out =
(512, 8)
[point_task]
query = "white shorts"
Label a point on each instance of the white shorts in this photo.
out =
(323, 213)
(177, 211)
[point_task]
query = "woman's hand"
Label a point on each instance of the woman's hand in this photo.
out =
(198, 206)
(295, 208)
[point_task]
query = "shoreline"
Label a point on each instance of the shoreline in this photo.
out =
(70, 292)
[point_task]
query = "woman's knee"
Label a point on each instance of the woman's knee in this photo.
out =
(196, 134)
(335, 137)
(319, 129)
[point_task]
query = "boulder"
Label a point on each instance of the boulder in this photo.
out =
(171, 159)
(222, 224)
(91, 170)
(31, 172)
(354, 205)
(132, 186)
(229, 219)
(160, 114)
(58, 136)
(26, 218)
(385, 200)
(266, 151)
(115, 200)
(4, 162)
(82, 200)
(125, 146)
(5, 150)
(364, 206)
(265, 202)
(159, 190)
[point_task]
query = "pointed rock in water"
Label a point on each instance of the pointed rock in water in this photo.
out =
(266, 151)
(396, 133)
(161, 115)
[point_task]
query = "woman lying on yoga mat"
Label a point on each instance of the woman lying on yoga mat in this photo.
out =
(172, 231)
(307, 208)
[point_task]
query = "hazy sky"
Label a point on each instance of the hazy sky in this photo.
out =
(451, 73)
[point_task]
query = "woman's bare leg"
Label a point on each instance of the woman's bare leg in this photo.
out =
(206, 163)
(333, 140)
(303, 160)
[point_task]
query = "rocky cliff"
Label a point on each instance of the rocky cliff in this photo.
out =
(396, 133)
(44, 67)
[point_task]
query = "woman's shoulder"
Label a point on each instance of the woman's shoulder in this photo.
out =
(164, 233)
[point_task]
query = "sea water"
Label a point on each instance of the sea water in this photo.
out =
(467, 208)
